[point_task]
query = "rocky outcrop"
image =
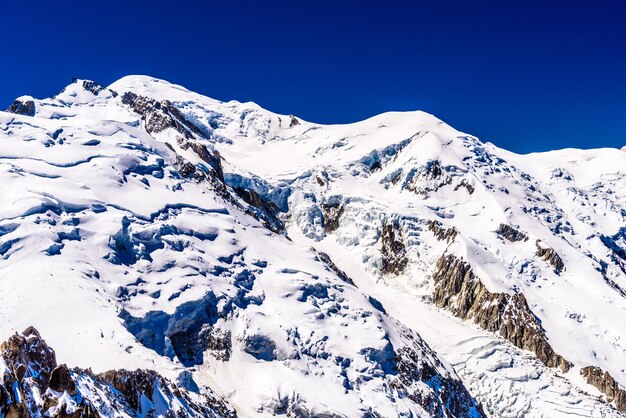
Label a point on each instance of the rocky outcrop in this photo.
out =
(606, 384)
(293, 121)
(429, 178)
(413, 370)
(19, 107)
(325, 258)
(29, 355)
(466, 185)
(92, 87)
(461, 292)
(441, 233)
(138, 384)
(510, 234)
(393, 251)
(61, 380)
(33, 385)
(550, 256)
(212, 158)
(159, 115)
(266, 211)
(332, 211)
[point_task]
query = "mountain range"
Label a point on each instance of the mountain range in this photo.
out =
(165, 254)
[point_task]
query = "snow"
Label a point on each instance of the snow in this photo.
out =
(84, 163)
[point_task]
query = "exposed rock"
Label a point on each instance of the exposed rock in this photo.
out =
(267, 212)
(393, 251)
(31, 351)
(447, 396)
(92, 86)
(325, 258)
(549, 255)
(212, 158)
(138, 384)
(61, 380)
(606, 384)
(160, 115)
(293, 121)
(441, 233)
(132, 384)
(460, 291)
(191, 343)
(332, 211)
(30, 362)
(429, 178)
(465, 184)
(509, 233)
(219, 343)
(26, 108)
(184, 167)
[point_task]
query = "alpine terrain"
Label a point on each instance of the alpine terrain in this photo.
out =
(165, 254)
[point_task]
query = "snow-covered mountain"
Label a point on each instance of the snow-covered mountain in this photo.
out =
(270, 266)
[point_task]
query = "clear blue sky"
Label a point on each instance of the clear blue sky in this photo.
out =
(527, 75)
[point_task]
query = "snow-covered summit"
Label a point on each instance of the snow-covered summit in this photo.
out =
(301, 268)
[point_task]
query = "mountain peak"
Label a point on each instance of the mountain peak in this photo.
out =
(389, 267)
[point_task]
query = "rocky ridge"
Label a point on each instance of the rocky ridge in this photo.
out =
(34, 385)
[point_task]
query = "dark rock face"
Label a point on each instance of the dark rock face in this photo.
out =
(214, 158)
(332, 212)
(393, 251)
(19, 107)
(465, 184)
(441, 233)
(325, 258)
(430, 178)
(31, 363)
(192, 342)
(61, 380)
(92, 87)
(448, 396)
(293, 121)
(184, 167)
(551, 257)
(219, 343)
(511, 234)
(160, 115)
(606, 384)
(460, 291)
(267, 212)
(31, 352)
(133, 385)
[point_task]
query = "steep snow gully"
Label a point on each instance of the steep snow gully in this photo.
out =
(196, 258)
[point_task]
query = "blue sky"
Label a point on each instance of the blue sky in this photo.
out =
(525, 75)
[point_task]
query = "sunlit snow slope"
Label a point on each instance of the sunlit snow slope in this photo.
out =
(122, 244)
(293, 267)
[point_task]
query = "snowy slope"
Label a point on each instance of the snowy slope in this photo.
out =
(121, 243)
(139, 210)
